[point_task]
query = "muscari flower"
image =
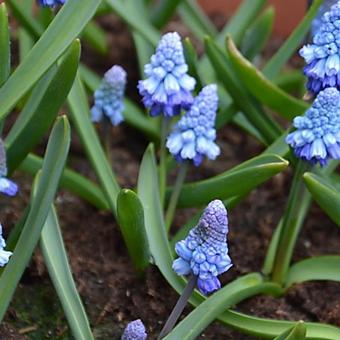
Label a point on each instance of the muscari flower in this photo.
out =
(194, 135)
(50, 3)
(325, 7)
(4, 255)
(323, 55)
(7, 186)
(317, 137)
(108, 99)
(204, 252)
(135, 330)
(167, 88)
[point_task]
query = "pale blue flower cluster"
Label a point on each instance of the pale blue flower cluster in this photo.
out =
(50, 3)
(167, 88)
(108, 99)
(7, 186)
(323, 56)
(317, 138)
(204, 252)
(135, 330)
(4, 255)
(193, 137)
(325, 7)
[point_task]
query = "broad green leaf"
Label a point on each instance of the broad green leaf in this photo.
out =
(80, 116)
(236, 181)
(195, 19)
(132, 114)
(325, 194)
(148, 192)
(292, 81)
(223, 69)
(55, 258)
(163, 12)
(58, 36)
(95, 36)
(289, 47)
(298, 332)
(55, 157)
(5, 51)
(130, 217)
(45, 101)
(241, 20)
(315, 268)
(191, 326)
(70, 180)
(262, 88)
(258, 34)
(127, 11)
(25, 43)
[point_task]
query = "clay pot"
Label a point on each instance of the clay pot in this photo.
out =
(288, 13)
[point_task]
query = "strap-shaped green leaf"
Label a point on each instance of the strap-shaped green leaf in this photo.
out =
(55, 257)
(96, 37)
(191, 326)
(258, 34)
(325, 194)
(70, 180)
(80, 115)
(236, 181)
(40, 204)
(163, 12)
(275, 64)
(130, 215)
(47, 97)
(58, 36)
(262, 88)
(224, 72)
(5, 51)
(319, 268)
(298, 332)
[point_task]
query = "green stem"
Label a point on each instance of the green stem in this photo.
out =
(175, 194)
(106, 131)
(291, 224)
(162, 159)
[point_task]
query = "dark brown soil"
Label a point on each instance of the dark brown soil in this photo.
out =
(113, 293)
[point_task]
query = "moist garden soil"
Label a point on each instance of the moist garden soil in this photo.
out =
(112, 292)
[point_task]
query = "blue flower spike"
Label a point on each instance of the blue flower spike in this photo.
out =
(108, 99)
(193, 137)
(204, 252)
(167, 88)
(317, 135)
(50, 3)
(7, 186)
(4, 255)
(325, 7)
(323, 55)
(135, 330)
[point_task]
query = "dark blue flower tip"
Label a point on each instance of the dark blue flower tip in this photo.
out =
(4, 255)
(108, 99)
(193, 137)
(323, 55)
(50, 3)
(204, 252)
(135, 330)
(167, 87)
(317, 138)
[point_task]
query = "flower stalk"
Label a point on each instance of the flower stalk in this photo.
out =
(162, 159)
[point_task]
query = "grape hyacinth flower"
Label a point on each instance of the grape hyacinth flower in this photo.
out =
(135, 330)
(167, 88)
(50, 3)
(108, 99)
(7, 186)
(4, 255)
(204, 252)
(317, 138)
(194, 135)
(323, 55)
(325, 7)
